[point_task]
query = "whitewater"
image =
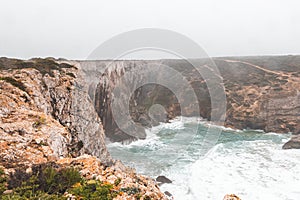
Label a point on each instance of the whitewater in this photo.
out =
(248, 163)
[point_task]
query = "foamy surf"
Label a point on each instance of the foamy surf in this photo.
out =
(248, 163)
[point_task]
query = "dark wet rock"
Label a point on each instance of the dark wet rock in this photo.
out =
(169, 195)
(163, 179)
(293, 143)
(144, 120)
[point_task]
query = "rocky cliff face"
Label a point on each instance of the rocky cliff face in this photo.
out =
(261, 93)
(46, 113)
(109, 75)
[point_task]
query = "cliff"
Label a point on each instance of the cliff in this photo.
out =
(261, 92)
(47, 116)
(45, 103)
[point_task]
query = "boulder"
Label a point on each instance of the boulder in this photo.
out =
(293, 143)
(163, 179)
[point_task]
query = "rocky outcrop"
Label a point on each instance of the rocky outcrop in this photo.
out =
(231, 197)
(145, 96)
(261, 93)
(91, 168)
(162, 179)
(47, 116)
(293, 143)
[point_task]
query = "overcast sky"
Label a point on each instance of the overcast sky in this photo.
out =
(73, 29)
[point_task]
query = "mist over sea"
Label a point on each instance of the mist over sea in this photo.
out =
(249, 163)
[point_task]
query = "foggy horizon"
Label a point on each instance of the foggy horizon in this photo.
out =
(73, 29)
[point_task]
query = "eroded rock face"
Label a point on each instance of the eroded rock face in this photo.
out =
(144, 97)
(262, 92)
(46, 113)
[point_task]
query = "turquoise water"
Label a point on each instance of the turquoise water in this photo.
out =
(248, 163)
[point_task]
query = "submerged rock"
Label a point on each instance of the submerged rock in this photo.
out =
(168, 194)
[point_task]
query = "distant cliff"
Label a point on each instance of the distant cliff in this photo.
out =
(261, 92)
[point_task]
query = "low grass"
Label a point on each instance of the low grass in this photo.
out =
(49, 181)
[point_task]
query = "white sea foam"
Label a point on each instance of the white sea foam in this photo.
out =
(252, 170)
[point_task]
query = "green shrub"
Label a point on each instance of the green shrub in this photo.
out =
(43, 179)
(117, 182)
(131, 190)
(39, 122)
(65, 179)
(47, 179)
(38, 196)
(3, 181)
(94, 190)
(50, 182)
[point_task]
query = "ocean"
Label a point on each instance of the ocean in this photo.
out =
(248, 163)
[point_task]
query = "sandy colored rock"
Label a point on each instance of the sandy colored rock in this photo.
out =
(231, 197)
